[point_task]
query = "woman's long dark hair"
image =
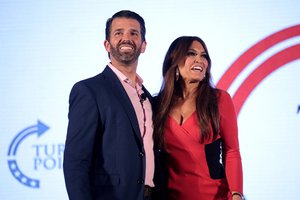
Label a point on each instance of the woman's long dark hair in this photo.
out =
(206, 100)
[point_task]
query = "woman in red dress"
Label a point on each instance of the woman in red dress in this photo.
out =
(196, 126)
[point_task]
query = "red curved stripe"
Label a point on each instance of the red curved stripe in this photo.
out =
(262, 71)
(242, 62)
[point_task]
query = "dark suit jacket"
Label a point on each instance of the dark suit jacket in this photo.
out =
(104, 157)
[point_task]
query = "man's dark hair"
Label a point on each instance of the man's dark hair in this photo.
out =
(129, 15)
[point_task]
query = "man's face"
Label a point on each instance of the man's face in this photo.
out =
(125, 43)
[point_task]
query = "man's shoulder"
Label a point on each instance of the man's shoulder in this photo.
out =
(91, 82)
(97, 78)
(92, 79)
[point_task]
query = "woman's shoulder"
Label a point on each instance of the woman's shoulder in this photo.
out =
(222, 93)
(223, 96)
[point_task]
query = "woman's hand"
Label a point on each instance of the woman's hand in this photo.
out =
(237, 196)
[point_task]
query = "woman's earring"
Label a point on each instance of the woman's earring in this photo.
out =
(177, 74)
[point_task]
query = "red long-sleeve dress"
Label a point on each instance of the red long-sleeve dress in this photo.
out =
(204, 171)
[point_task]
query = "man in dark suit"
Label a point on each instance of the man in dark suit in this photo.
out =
(109, 146)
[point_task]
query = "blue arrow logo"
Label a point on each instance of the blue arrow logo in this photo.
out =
(38, 129)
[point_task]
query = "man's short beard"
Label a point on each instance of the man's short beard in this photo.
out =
(125, 58)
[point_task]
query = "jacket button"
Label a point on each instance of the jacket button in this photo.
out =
(140, 181)
(142, 154)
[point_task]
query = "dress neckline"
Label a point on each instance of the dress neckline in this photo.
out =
(181, 122)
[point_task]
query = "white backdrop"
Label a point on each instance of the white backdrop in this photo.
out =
(47, 46)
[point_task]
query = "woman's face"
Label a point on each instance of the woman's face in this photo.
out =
(195, 65)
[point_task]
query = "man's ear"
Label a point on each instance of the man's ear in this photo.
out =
(144, 44)
(107, 45)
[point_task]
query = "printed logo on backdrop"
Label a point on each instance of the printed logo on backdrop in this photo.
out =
(253, 58)
(45, 156)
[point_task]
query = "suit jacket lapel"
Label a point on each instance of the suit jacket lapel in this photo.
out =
(148, 94)
(122, 96)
